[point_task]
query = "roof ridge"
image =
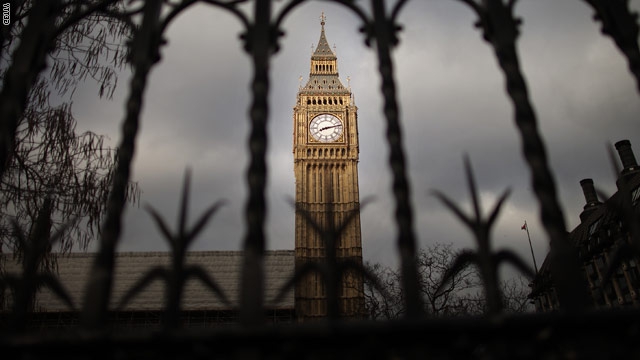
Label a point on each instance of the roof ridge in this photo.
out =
(156, 253)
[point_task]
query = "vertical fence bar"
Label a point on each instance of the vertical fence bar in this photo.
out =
(144, 55)
(34, 248)
(259, 47)
(501, 31)
(383, 31)
(621, 25)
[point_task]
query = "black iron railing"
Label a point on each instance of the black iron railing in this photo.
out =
(576, 331)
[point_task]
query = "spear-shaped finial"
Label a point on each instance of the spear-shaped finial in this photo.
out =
(322, 19)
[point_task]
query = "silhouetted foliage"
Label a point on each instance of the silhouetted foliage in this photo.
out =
(49, 158)
(44, 157)
(462, 295)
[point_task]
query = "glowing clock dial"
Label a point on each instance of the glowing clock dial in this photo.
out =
(326, 128)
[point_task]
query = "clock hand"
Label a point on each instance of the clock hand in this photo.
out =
(329, 127)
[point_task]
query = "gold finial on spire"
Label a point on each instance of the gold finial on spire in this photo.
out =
(322, 19)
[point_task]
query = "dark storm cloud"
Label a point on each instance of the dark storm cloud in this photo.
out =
(453, 102)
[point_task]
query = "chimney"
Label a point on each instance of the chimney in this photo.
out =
(629, 163)
(591, 198)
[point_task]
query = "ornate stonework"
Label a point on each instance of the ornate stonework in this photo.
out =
(325, 151)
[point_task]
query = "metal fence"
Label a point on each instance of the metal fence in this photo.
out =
(574, 332)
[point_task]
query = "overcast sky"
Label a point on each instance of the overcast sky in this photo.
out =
(452, 102)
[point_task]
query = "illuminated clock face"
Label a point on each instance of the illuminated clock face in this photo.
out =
(326, 128)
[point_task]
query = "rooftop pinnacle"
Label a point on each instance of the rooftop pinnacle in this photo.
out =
(323, 50)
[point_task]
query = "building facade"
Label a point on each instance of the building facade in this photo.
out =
(325, 152)
(325, 149)
(200, 306)
(605, 230)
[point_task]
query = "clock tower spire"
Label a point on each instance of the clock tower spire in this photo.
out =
(325, 152)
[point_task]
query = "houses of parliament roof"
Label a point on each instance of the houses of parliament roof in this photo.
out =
(223, 267)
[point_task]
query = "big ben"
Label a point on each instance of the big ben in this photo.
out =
(325, 152)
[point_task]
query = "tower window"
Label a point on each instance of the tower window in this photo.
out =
(308, 102)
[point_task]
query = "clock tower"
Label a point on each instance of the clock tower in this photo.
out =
(325, 152)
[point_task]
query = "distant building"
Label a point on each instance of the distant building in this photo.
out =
(200, 307)
(325, 152)
(601, 231)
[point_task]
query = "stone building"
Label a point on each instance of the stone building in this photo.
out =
(325, 152)
(603, 229)
(200, 307)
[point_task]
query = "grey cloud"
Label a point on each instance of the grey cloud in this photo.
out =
(453, 101)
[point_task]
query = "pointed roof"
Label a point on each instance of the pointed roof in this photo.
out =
(324, 81)
(323, 50)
